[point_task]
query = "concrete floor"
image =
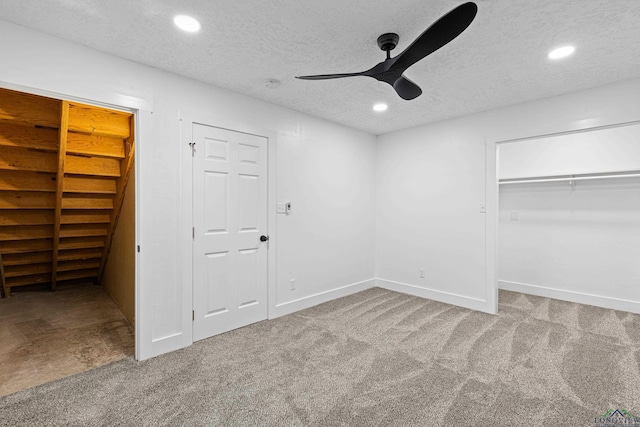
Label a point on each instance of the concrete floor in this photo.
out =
(46, 335)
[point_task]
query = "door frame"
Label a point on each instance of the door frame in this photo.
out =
(187, 120)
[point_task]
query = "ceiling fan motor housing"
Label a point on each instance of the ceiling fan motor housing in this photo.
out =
(388, 41)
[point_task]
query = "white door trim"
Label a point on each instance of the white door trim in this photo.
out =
(491, 227)
(187, 119)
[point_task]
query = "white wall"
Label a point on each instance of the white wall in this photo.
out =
(432, 179)
(325, 169)
(430, 187)
(601, 150)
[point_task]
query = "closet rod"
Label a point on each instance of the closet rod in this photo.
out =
(577, 177)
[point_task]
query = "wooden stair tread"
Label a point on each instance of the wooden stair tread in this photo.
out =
(81, 243)
(78, 254)
(85, 217)
(14, 180)
(28, 280)
(26, 269)
(26, 258)
(78, 274)
(24, 246)
(78, 265)
(26, 217)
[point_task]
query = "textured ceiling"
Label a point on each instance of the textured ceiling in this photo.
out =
(499, 60)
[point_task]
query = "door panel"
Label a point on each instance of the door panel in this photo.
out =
(230, 215)
(248, 202)
(217, 265)
(216, 200)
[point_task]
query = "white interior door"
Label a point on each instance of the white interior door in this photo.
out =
(230, 217)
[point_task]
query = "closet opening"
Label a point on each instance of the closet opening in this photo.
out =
(569, 216)
(67, 238)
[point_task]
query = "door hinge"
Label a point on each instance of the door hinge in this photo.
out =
(193, 148)
(193, 233)
(138, 248)
(193, 315)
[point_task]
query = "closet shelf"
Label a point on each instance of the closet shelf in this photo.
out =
(576, 177)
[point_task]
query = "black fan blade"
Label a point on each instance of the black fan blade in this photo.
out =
(406, 88)
(437, 35)
(328, 76)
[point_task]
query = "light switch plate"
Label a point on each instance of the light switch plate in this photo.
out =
(281, 208)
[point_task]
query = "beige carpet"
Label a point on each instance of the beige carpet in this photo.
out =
(374, 358)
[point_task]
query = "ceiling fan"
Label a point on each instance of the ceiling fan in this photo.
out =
(433, 38)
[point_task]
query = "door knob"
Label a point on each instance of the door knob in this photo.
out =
(264, 238)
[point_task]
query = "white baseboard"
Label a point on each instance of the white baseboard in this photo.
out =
(571, 296)
(319, 298)
(448, 298)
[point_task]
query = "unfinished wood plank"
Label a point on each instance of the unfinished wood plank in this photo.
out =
(6, 290)
(89, 184)
(24, 108)
(87, 201)
(27, 258)
(126, 166)
(27, 200)
(25, 217)
(78, 274)
(81, 243)
(12, 282)
(78, 265)
(26, 270)
(25, 232)
(62, 155)
(16, 180)
(97, 145)
(12, 158)
(12, 135)
(82, 230)
(100, 121)
(98, 166)
(70, 216)
(76, 254)
(24, 246)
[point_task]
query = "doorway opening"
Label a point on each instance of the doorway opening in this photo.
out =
(67, 224)
(567, 209)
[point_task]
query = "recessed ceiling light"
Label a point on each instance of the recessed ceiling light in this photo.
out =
(561, 52)
(380, 107)
(187, 23)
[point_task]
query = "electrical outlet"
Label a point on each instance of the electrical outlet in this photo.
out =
(292, 284)
(483, 207)
(421, 273)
